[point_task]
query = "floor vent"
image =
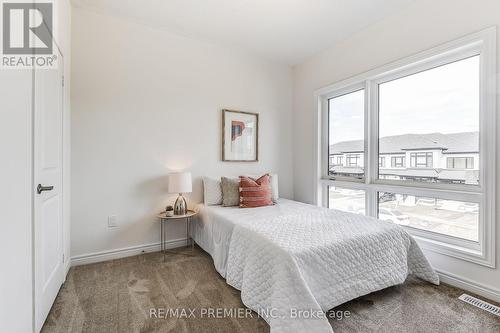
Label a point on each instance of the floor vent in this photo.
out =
(480, 304)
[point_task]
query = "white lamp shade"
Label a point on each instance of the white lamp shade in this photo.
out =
(180, 182)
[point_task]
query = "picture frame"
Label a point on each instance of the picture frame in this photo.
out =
(240, 136)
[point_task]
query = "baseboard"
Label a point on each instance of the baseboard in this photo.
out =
(468, 285)
(67, 266)
(91, 258)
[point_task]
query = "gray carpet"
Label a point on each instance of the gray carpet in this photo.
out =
(118, 295)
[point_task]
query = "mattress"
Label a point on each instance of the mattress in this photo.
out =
(293, 258)
(213, 227)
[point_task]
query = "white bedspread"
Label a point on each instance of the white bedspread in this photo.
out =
(292, 259)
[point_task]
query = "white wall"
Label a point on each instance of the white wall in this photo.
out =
(15, 210)
(145, 102)
(420, 26)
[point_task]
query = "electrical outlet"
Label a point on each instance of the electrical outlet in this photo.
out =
(112, 221)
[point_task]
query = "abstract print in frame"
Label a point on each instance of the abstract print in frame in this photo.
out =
(240, 136)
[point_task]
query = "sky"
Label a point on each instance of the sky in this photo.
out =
(444, 99)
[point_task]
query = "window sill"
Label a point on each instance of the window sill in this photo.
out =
(460, 249)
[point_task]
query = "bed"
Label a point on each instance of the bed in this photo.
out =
(293, 262)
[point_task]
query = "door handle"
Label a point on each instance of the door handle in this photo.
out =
(40, 188)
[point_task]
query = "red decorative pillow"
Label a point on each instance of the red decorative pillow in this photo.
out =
(255, 192)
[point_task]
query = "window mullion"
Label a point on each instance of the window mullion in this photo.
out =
(372, 165)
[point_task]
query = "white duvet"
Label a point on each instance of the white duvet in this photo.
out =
(293, 261)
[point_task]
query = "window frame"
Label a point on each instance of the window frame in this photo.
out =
(467, 159)
(482, 43)
(426, 155)
(396, 164)
(349, 157)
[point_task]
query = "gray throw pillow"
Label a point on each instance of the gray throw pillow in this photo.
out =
(230, 191)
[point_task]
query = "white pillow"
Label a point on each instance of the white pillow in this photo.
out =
(212, 191)
(273, 177)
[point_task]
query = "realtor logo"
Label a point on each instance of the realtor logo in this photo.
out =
(27, 35)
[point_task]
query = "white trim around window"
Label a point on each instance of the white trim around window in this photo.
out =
(482, 43)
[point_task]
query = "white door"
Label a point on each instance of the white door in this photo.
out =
(48, 194)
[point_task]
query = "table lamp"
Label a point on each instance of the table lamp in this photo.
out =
(180, 182)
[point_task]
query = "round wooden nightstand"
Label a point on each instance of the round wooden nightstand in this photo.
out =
(163, 229)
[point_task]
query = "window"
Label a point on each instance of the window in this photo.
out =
(460, 163)
(398, 161)
(346, 132)
(421, 160)
(436, 109)
(337, 160)
(352, 201)
(454, 218)
(352, 160)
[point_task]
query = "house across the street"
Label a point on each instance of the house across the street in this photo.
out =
(433, 157)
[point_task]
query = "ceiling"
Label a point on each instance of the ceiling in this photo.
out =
(286, 31)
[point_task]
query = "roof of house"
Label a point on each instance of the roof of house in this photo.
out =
(465, 142)
(441, 174)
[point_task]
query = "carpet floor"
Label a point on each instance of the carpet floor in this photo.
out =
(135, 294)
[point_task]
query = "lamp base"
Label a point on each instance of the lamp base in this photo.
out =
(180, 206)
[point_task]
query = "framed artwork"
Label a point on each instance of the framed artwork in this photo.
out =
(240, 136)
